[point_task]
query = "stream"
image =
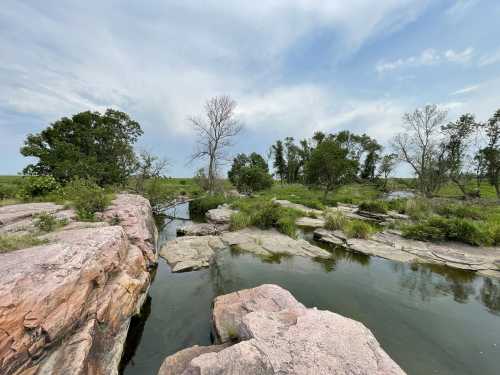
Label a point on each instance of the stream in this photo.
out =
(429, 319)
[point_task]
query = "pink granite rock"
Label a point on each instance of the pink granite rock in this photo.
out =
(275, 334)
(65, 307)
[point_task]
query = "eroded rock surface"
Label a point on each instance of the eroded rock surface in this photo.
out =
(191, 252)
(200, 229)
(275, 334)
(220, 215)
(390, 244)
(65, 307)
(195, 252)
(271, 242)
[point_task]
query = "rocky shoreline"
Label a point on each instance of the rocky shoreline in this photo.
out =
(265, 330)
(65, 306)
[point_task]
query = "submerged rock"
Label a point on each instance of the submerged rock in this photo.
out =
(275, 334)
(66, 305)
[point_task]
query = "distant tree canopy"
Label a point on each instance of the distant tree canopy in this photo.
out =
(290, 159)
(87, 145)
(330, 165)
(250, 173)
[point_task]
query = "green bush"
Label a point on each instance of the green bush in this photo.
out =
(376, 206)
(398, 205)
(494, 232)
(358, 229)
(158, 194)
(418, 208)
(200, 206)
(47, 222)
(36, 186)
(87, 198)
(335, 220)
(240, 220)
(286, 225)
(438, 228)
(463, 211)
(8, 190)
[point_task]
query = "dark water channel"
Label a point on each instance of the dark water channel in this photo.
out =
(431, 320)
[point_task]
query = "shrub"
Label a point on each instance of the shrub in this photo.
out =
(47, 222)
(463, 211)
(417, 208)
(398, 205)
(438, 228)
(88, 198)
(494, 233)
(35, 186)
(374, 206)
(158, 194)
(8, 190)
(240, 220)
(335, 220)
(200, 206)
(358, 229)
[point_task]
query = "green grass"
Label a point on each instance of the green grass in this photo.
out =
(451, 190)
(13, 242)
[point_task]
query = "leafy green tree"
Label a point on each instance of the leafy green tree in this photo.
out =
(491, 153)
(87, 145)
(456, 144)
(387, 164)
(250, 173)
(330, 166)
(279, 163)
(293, 162)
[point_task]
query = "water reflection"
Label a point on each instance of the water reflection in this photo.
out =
(134, 335)
(490, 295)
(429, 281)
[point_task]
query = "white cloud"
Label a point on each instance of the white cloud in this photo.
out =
(459, 9)
(490, 59)
(426, 58)
(467, 90)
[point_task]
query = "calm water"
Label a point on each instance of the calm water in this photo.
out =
(431, 320)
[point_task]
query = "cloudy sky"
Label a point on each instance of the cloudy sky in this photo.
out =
(293, 66)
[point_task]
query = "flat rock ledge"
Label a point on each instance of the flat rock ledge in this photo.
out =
(202, 229)
(391, 245)
(66, 306)
(220, 215)
(265, 330)
(195, 252)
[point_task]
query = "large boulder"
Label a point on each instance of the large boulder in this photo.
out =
(66, 305)
(275, 334)
(191, 252)
(220, 215)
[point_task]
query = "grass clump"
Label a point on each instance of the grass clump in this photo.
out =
(376, 206)
(46, 222)
(438, 228)
(463, 211)
(335, 220)
(16, 242)
(358, 229)
(239, 220)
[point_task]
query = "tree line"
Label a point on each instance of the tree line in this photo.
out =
(100, 147)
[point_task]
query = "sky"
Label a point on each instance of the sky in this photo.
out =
(293, 66)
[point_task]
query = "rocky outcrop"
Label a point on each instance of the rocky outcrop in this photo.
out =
(192, 252)
(390, 244)
(299, 207)
(271, 242)
(65, 306)
(310, 222)
(220, 215)
(201, 229)
(274, 334)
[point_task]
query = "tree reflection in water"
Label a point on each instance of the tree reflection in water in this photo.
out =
(489, 295)
(429, 281)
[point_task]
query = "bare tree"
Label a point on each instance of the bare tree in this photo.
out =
(215, 134)
(421, 148)
(148, 167)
